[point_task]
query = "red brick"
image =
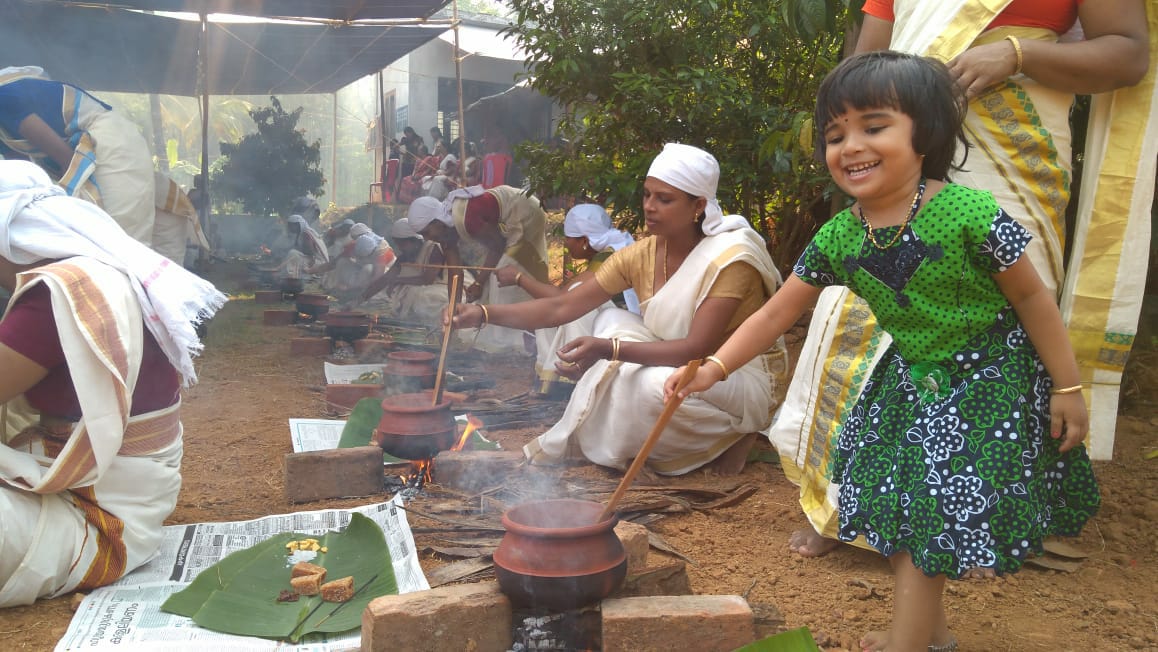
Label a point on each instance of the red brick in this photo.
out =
(635, 544)
(667, 578)
(347, 395)
(456, 617)
(336, 473)
(705, 623)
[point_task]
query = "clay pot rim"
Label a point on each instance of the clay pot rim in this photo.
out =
(419, 402)
(559, 532)
(411, 356)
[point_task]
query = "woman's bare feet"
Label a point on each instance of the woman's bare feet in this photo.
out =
(979, 573)
(809, 543)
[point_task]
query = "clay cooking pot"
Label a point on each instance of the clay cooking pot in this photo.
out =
(556, 556)
(312, 304)
(347, 326)
(411, 369)
(413, 428)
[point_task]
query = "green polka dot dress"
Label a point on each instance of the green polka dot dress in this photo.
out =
(947, 454)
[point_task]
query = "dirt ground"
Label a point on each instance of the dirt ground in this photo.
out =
(236, 436)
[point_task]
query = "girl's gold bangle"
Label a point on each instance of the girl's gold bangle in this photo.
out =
(1066, 390)
(486, 316)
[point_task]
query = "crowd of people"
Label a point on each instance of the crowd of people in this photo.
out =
(938, 413)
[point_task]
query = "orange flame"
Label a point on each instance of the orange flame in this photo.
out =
(472, 423)
(421, 472)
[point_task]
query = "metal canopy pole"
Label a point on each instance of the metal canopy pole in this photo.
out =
(203, 79)
(461, 113)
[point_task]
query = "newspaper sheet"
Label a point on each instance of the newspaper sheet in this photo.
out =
(315, 434)
(344, 374)
(126, 615)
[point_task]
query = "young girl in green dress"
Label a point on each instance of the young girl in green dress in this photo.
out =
(965, 448)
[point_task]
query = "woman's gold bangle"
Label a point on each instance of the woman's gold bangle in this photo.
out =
(486, 316)
(614, 349)
(518, 277)
(1016, 42)
(719, 363)
(1066, 390)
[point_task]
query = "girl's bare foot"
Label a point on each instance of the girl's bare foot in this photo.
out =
(809, 543)
(979, 573)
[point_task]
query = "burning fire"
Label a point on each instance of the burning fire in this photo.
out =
(422, 471)
(265, 250)
(472, 423)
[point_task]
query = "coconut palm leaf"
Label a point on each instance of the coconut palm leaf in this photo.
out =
(238, 595)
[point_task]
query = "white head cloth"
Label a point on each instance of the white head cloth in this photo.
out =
(366, 244)
(697, 173)
(469, 192)
(402, 229)
(592, 222)
(425, 210)
(346, 222)
(296, 219)
(29, 71)
(39, 222)
(359, 230)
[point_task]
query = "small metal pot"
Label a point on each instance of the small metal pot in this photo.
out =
(413, 428)
(555, 555)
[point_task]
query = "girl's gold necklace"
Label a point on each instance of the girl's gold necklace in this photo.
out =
(868, 227)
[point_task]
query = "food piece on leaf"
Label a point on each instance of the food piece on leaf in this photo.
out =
(303, 568)
(307, 584)
(287, 596)
(338, 590)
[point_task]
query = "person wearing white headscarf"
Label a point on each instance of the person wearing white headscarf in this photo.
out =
(95, 343)
(490, 228)
(308, 250)
(340, 272)
(698, 276)
(414, 290)
(589, 237)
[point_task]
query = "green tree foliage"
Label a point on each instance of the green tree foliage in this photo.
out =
(736, 77)
(267, 170)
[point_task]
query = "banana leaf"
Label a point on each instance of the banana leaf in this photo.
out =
(360, 426)
(793, 640)
(238, 595)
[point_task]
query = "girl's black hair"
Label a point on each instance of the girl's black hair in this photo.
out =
(919, 87)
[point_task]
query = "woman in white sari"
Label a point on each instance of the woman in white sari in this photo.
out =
(1020, 79)
(698, 275)
(589, 237)
(97, 338)
(413, 289)
(509, 227)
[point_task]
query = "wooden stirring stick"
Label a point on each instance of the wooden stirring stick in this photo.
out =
(649, 443)
(445, 340)
(477, 268)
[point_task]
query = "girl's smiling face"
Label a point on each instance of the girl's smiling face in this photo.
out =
(870, 154)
